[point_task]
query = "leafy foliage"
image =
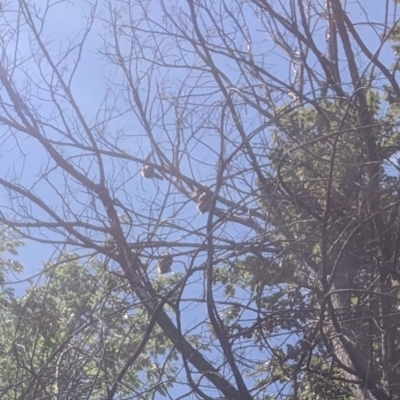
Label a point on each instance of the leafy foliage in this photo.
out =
(72, 333)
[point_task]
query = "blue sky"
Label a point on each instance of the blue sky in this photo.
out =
(92, 82)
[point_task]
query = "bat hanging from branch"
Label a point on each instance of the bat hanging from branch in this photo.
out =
(164, 263)
(148, 172)
(203, 199)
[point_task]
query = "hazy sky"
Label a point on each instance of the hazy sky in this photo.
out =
(94, 77)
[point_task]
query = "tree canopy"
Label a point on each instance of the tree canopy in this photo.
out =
(214, 190)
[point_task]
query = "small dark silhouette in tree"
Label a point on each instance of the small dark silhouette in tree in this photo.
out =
(148, 172)
(203, 198)
(164, 263)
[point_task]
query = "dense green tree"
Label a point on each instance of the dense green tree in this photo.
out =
(272, 131)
